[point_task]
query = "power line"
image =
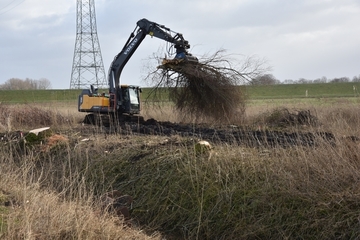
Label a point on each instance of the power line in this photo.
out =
(11, 7)
(7, 5)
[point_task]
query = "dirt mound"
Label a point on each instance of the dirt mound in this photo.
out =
(283, 117)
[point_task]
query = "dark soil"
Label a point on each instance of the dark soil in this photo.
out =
(229, 134)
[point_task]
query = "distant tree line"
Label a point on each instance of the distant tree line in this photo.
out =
(26, 84)
(269, 79)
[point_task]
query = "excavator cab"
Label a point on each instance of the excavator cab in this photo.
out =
(129, 99)
(125, 101)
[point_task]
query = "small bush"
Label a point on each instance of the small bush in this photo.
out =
(283, 117)
(27, 116)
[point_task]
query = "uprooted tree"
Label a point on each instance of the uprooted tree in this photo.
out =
(209, 88)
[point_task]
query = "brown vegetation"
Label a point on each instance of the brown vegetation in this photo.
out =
(27, 84)
(208, 88)
(27, 116)
(240, 192)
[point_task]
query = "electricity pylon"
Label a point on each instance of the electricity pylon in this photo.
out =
(88, 66)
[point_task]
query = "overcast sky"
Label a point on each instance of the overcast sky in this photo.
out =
(300, 39)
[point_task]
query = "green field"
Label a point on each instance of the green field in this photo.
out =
(281, 91)
(37, 96)
(320, 90)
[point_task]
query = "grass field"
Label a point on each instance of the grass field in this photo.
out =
(321, 90)
(281, 91)
(232, 192)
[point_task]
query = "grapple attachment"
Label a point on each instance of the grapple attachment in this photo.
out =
(180, 58)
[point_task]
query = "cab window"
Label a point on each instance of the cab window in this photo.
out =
(133, 96)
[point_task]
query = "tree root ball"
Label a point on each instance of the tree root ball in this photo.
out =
(209, 89)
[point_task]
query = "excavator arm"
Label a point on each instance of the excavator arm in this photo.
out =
(125, 99)
(145, 27)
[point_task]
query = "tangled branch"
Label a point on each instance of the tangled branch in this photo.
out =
(207, 89)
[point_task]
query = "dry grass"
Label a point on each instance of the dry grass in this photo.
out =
(15, 117)
(44, 196)
(242, 193)
(338, 118)
(40, 214)
(236, 192)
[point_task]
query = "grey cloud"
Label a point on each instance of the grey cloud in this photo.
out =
(300, 38)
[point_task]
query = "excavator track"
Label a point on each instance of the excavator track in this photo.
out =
(111, 120)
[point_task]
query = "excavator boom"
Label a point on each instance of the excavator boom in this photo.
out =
(123, 99)
(145, 27)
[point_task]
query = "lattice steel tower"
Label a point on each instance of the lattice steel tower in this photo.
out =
(88, 66)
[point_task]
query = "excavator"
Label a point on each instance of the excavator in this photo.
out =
(123, 101)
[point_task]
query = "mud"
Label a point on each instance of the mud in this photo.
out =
(229, 134)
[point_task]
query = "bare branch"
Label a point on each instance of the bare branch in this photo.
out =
(209, 88)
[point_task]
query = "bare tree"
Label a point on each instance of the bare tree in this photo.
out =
(44, 83)
(356, 79)
(303, 81)
(320, 80)
(289, 81)
(266, 79)
(16, 84)
(27, 84)
(208, 88)
(340, 80)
